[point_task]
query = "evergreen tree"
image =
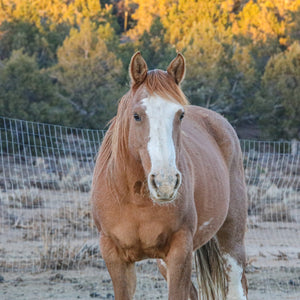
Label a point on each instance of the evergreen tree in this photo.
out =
(28, 93)
(88, 76)
(233, 48)
(32, 40)
(278, 103)
(156, 51)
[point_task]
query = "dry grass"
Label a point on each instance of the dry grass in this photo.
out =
(25, 198)
(77, 217)
(273, 195)
(66, 257)
(277, 212)
(76, 180)
(280, 255)
(271, 202)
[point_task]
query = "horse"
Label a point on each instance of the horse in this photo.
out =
(169, 185)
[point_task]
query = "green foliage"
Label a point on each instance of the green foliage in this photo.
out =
(28, 93)
(242, 57)
(220, 72)
(184, 17)
(293, 31)
(278, 102)
(54, 12)
(26, 36)
(88, 75)
(156, 51)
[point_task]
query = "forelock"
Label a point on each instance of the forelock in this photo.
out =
(162, 84)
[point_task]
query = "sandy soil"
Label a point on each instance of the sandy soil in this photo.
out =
(54, 229)
(95, 283)
(273, 273)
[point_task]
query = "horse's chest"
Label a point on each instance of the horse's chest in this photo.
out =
(140, 240)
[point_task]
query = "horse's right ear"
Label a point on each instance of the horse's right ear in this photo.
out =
(137, 69)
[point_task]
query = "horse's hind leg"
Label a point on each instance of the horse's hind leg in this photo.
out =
(163, 270)
(231, 238)
(233, 252)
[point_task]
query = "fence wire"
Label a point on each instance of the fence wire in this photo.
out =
(45, 178)
(45, 218)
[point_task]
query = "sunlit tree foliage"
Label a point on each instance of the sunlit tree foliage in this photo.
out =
(242, 56)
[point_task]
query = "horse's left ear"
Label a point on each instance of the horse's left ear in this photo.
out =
(177, 68)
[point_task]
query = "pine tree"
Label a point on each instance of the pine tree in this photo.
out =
(88, 75)
(28, 93)
(278, 103)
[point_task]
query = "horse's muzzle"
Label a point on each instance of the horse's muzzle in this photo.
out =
(163, 186)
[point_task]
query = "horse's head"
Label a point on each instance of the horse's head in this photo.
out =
(156, 113)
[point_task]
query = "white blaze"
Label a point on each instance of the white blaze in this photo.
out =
(161, 148)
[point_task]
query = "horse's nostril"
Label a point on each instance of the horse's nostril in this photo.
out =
(177, 181)
(153, 181)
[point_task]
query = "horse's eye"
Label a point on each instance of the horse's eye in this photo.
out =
(137, 117)
(181, 116)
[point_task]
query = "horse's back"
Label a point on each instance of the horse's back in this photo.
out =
(216, 129)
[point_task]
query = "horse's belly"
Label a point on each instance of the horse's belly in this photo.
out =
(211, 195)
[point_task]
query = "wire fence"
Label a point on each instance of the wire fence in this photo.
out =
(45, 218)
(45, 178)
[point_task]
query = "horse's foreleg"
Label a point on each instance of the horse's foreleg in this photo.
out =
(179, 266)
(122, 273)
(163, 270)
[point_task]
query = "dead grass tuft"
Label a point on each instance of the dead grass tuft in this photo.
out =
(277, 212)
(280, 255)
(78, 218)
(26, 198)
(76, 181)
(65, 257)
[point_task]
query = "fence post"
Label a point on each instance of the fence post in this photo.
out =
(295, 147)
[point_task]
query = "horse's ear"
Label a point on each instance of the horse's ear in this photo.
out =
(137, 69)
(177, 68)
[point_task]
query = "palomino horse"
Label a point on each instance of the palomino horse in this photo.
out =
(169, 182)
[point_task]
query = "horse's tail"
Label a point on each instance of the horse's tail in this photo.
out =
(211, 271)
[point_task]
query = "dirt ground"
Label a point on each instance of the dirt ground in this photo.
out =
(95, 283)
(273, 273)
(49, 230)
